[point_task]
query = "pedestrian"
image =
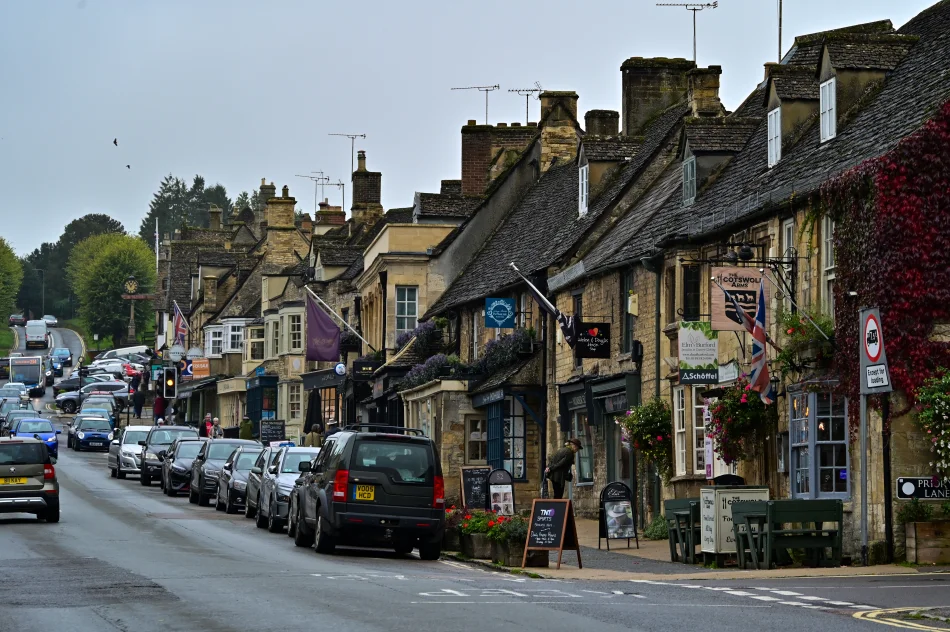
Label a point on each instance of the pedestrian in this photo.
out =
(313, 439)
(332, 429)
(560, 464)
(134, 383)
(207, 425)
(217, 432)
(158, 407)
(138, 401)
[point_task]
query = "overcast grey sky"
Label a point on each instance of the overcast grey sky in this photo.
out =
(237, 90)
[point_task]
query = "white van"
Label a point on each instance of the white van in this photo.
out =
(124, 352)
(36, 334)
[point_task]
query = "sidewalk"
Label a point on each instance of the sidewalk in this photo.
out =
(652, 562)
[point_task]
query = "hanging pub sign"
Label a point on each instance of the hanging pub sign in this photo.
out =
(363, 370)
(741, 283)
(499, 313)
(617, 518)
(698, 353)
(593, 340)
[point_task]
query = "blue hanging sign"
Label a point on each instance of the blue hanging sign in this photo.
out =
(500, 313)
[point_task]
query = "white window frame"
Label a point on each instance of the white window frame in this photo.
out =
(275, 338)
(689, 181)
(699, 433)
(294, 399)
(583, 190)
(214, 341)
(679, 429)
(813, 430)
(251, 339)
(775, 136)
(523, 310)
(295, 331)
(827, 93)
(828, 265)
(234, 341)
(409, 320)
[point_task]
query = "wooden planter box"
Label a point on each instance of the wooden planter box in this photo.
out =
(511, 554)
(476, 546)
(451, 541)
(928, 542)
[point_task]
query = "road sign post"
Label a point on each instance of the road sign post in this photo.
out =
(875, 378)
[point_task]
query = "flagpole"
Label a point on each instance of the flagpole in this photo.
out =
(768, 338)
(554, 310)
(156, 246)
(345, 324)
(800, 310)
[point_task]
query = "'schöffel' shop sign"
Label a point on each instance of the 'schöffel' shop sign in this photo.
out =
(363, 371)
(593, 340)
(698, 353)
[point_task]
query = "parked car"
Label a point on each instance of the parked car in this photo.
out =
(123, 352)
(207, 467)
(254, 480)
(176, 464)
(97, 372)
(37, 428)
(232, 483)
(125, 453)
(277, 481)
(158, 439)
(17, 320)
(49, 367)
(93, 433)
(9, 403)
(73, 427)
(62, 354)
(72, 383)
(119, 391)
(292, 511)
(68, 402)
(29, 483)
(50, 320)
(21, 388)
(13, 415)
(374, 489)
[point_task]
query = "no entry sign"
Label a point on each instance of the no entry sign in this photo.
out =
(875, 377)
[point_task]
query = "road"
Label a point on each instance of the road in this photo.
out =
(125, 557)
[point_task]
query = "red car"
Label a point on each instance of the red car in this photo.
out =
(17, 320)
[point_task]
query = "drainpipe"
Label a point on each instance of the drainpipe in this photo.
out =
(654, 264)
(888, 482)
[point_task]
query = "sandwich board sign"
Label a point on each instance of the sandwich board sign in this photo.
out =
(551, 528)
(875, 377)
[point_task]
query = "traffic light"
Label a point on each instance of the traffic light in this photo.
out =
(170, 383)
(83, 372)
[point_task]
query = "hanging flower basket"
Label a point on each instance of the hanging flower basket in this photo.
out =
(740, 423)
(649, 429)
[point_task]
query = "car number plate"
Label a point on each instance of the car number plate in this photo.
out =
(96, 444)
(12, 481)
(364, 492)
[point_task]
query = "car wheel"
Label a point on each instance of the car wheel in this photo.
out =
(430, 550)
(69, 407)
(51, 514)
(119, 474)
(303, 536)
(112, 472)
(203, 500)
(322, 542)
(170, 490)
(218, 505)
(145, 479)
(274, 525)
(192, 496)
(249, 512)
(229, 507)
(261, 518)
(291, 519)
(77, 447)
(404, 548)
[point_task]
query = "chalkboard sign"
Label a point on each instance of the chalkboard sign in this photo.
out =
(501, 490)
(551, 528)
(271, 430)
(617, 517)
(475, 486)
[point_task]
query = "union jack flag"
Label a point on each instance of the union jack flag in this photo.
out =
(759, 380)
(179, 325)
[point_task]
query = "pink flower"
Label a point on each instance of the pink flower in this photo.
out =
(748, 387)
(744, 399)
(659, 437)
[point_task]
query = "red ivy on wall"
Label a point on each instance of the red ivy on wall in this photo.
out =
(892, 247)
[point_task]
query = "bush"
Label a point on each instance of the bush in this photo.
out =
(915, 511)
(434, 367)
(476, 521)
(508, 529)
(503, 352)
(933, 411)
(659, 529)
(428, 338)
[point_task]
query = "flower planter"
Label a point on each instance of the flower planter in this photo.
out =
(476, 546)
(511, 553)
(450, 540)
(928, 542)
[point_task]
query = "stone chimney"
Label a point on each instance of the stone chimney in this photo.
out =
(704, 91)
(306, 223)
(266, 192)
(650, 86)
(214, 214)
(451, 187)
(602, 122)
(559, 134)
(328, 217)
(367, 193)
(279, 228)
(487, 150)
(209, 289)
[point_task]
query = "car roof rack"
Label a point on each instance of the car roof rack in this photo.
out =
(377, 428)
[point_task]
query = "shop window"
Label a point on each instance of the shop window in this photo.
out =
(699, 433)
(257, 343)
(818, 435)
(293, 399)
(506, 437)
(679, 429)
(691, 292)
(583, 459)
(828, 265)
(407, 309)
(629, 320)
(775, 136)
(296, 332)
(476, 441)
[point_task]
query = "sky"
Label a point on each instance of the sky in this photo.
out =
(239, 90)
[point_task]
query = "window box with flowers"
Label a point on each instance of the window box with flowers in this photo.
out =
(508, 535)
(649, 429)
(740, 423)
(349, 341)
(474, 534)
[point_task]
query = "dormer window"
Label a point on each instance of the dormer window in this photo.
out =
(775, 136)
(689, 181)
(828, 120)
(583, 185)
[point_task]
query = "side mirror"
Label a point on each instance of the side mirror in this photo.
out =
(304, 466)
(114, 442)
(142, 443)
(59, 432)
(161, 455)
(256, 470)
(272, 469)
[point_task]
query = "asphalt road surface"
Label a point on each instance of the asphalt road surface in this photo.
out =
(127, 558)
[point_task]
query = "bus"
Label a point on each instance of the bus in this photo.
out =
(36, 334)
(29, 371)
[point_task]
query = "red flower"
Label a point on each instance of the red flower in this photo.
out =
(465, 525)
(491, 523)
(468, 516)
(659, 437)
(790, 331)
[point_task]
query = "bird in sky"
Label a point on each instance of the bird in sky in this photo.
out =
(115, 141)
(128, 167)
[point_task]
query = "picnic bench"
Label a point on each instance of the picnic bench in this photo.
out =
(765, 530)
(682, 517)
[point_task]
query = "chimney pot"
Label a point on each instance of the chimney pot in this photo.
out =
(285, 192)
(503, 125)
(516, 124)
(602, 122)
(471, 121)
(361, 160)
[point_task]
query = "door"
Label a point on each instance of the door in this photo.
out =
(269, 478)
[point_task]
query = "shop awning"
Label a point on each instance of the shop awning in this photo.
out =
(186, 389)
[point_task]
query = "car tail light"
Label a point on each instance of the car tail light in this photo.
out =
(340, 482)
(49, 472)
(438, 492)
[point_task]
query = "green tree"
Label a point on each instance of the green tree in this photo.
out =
(11, 275)
(97, 271)
(30, 296)
(176, 204)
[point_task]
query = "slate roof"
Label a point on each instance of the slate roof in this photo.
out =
(806, 49)
(443, 205)
(867, 52)
(503, 376)
(545, 224)
(338, 256)
(610, 148)
(246, 216)
(794, 82)
(719, 134)
(218, 257)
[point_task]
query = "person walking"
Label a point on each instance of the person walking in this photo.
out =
(313, 439)
(158, 407)
(207, 425)
(135, 382)
(560, 464)
(217, 432)
(138, 401)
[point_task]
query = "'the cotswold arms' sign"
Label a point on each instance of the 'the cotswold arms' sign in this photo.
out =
(742, 283)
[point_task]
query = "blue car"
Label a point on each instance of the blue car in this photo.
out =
(62, 355)
(92, 434)
(38, 428)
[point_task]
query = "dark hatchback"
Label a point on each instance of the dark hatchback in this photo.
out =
(207, 467)
(159, 438)
(373, 489)
(176, 464)
(92, 434)
(232, 483)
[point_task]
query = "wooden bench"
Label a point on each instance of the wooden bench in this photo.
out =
(768, 528)
(682, 517)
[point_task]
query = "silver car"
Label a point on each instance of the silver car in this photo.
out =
(276, 484)
(125, 453)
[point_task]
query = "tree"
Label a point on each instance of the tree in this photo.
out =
(30, 296)
(11, 275)
(98, 269)
(176, 205)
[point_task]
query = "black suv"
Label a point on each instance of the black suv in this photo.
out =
(373, 489)
(158, 440)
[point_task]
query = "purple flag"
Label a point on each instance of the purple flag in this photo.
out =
(323, 336)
